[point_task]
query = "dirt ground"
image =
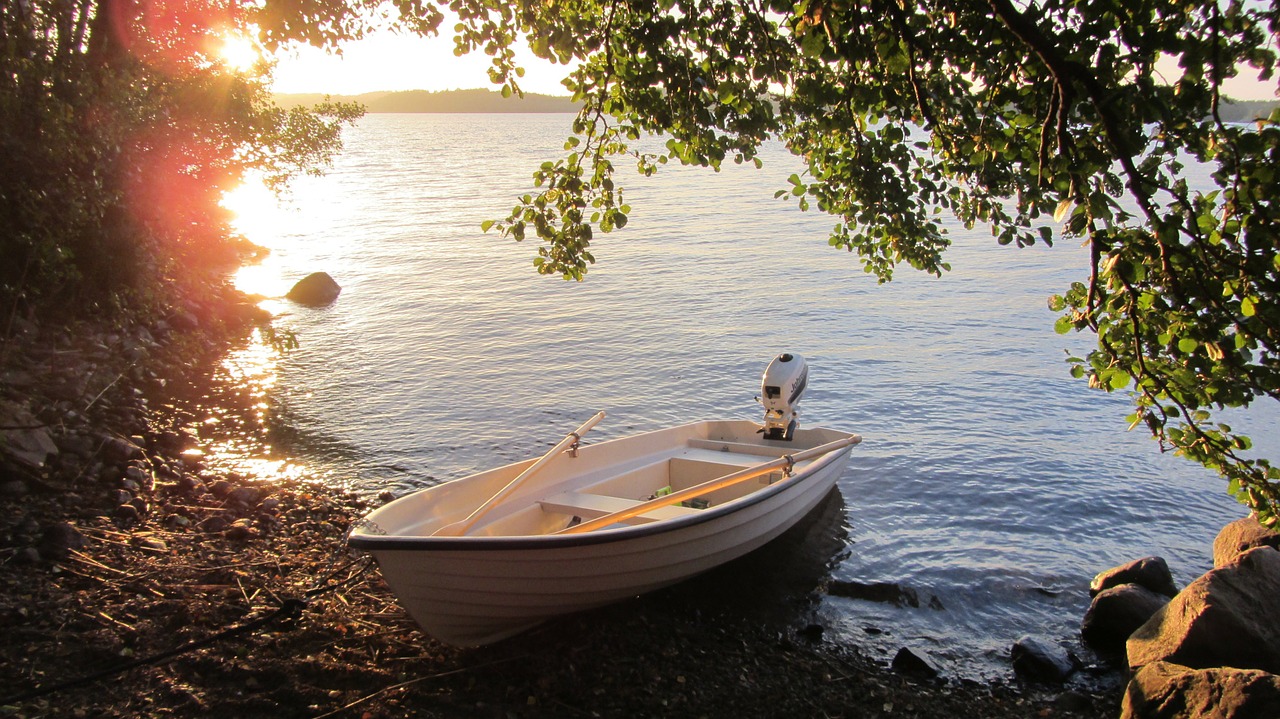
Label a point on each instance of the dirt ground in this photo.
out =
(126, 546)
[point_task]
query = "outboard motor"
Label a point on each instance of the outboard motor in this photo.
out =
(784, 381)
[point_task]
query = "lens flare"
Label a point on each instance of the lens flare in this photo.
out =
(239, 53)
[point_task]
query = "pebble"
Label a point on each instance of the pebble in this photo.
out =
(138, 474)
(241, 530)
(221, 488)
(27, 555)
(120, 450)
(247, 496)
(177, 520)
(213, 525)
(153, 544)
(191, 484)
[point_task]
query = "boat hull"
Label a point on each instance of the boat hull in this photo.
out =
(475, 590)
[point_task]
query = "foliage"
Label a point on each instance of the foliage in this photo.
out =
(121, 126)
(1043, 119)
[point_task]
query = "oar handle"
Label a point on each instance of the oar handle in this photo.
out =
(727, 480)
(459, 528)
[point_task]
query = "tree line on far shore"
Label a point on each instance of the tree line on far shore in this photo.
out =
(447, 101)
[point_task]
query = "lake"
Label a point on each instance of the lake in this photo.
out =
(988, 480)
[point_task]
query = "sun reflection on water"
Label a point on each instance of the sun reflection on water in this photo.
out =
(266, 219)
(244, 442)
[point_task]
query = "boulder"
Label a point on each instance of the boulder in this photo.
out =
(1150, 572)
(1230, 617)
(1039, 661)
(1168, 691)
(1240, 536)
(1115, 613)
(315, 290)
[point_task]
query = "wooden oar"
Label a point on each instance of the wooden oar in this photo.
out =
(710, 486)
(458, 529)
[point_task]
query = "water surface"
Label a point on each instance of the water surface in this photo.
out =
(988, 478)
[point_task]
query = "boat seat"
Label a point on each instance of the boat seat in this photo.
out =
(590, 506)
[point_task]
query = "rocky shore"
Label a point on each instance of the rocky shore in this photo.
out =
(122, 542)
(1211, 649)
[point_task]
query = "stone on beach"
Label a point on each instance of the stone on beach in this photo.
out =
(1161, 690)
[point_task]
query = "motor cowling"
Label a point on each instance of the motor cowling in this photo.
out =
(783, 384)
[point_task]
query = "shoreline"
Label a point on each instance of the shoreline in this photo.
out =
(87, 583)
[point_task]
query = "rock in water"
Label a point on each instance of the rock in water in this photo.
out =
(912, 664)
(1150, 572)
(1115, 614)
(315, 290)
(1230, 617)
(1040, 661)
(888, 592)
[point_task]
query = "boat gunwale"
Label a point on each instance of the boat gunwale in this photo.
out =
(381, 542)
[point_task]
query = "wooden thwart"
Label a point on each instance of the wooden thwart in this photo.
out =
(710, 486)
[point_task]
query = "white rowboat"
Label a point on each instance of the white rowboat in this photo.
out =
(482, 558)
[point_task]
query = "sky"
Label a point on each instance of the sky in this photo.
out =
(396, 62)
(392, 62)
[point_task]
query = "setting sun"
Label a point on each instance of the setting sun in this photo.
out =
(239, 52)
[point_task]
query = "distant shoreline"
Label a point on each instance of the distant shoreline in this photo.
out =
(489, 101)
(448, 101)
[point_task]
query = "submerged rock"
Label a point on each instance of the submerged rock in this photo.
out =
(887, 592)
(315, 290)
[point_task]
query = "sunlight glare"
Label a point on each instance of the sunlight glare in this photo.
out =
(253, 370)
(262, 217)
(257, 211)
(239, 53)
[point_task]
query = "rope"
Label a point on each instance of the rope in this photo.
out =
(290, 609)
